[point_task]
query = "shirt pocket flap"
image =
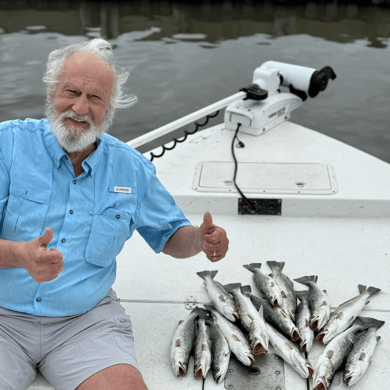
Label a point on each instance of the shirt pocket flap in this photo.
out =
(34, 194)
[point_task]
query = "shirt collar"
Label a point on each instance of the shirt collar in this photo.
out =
(57, 153)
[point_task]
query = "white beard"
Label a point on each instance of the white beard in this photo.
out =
(72, 138)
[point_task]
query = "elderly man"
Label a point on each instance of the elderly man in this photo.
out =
(70, 196)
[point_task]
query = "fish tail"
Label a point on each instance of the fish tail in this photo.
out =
(231, 286)
(251, 267)
(371, 290)
(246, 289)
(276, 265)
(368, 322)
(203, 274)
(202, 313)
(307, 279)
(302, 294)
(209, 307)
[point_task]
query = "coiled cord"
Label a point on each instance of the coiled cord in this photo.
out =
(186, 134)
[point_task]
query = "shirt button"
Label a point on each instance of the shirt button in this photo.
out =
(71, 211)
(118, 216)
(74, 181)
(63, 240)
(39, 299)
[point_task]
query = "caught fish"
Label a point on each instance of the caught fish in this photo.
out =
(289, 352)
(360, 357)
(251, 319)
(265, 284)
(343, 317)
(319, 302)
(220, 299)
(276, 317)
(236, 339)
(336, 352)
(303, 322)
(182, 344)
(289, 302)
(202, 346)
(220, 351)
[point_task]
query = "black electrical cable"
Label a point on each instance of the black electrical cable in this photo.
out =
(235, 169)
(186, 134)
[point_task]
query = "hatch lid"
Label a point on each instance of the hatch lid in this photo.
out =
(270, 178)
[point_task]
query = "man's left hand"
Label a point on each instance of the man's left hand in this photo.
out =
(215, 242)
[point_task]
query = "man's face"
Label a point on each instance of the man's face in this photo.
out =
(79, 112)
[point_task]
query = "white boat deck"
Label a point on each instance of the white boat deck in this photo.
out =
(344, 238)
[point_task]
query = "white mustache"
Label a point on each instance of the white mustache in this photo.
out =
(79, 118)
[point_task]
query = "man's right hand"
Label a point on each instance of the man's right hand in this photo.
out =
(43, 265)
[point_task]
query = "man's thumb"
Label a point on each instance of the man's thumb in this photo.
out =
(46, 237)
(207, 221)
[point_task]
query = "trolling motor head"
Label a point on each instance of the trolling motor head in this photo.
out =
(265, 106)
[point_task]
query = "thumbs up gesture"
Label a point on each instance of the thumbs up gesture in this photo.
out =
(215, 242)
(41, 264)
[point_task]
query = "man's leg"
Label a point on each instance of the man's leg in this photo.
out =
(118, 377)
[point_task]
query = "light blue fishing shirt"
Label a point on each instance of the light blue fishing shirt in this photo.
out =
(92, 215)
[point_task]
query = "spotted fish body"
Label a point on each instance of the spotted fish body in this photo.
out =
(265, 284)
(303, 322)
(220, 352)
(202, 346)
(277, 318)
(220, 299)
(182, 344)
(289, 352)
(345, 314)
(319, 302)
(359, 359)
(289, 301)
(251, 319)
(336, 352)
(236, 339)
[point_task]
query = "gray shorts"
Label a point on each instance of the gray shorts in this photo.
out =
(66, 350)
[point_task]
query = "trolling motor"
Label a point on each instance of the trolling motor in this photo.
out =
(265, 106)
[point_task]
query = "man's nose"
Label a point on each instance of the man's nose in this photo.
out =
(81, 105)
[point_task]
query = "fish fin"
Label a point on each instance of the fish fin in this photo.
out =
(307, 279)
(261, 311)
(202, 313)
(302, 294)
(373, 290)
(180, 322)
(324, 291)
(340, 315)
(366, 303)
(235, 337)
(276, 264)
(251, 267)
(203, 274)
(378, 338)
(271, 275)
(246, 289)
(362, 288)
(209, 307)
(329, 354)
(232, 286)
(368, 322)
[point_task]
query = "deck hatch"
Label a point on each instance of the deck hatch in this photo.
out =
(270, 178)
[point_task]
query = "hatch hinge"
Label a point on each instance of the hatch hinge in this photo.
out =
(191, 302)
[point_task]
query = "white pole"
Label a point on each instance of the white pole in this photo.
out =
(170, 127)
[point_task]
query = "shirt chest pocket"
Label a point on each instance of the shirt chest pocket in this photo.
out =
(111, 228)
(26, 212)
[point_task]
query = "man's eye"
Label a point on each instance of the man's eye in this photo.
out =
(71, 91)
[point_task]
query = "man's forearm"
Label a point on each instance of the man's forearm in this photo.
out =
(11, 254)
(185, 242)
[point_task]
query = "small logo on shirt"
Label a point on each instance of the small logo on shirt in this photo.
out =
(126, 190)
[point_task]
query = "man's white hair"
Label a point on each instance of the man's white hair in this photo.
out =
(100, 48)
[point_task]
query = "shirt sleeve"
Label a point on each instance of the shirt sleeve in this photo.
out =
(4, 188)
(159, 216)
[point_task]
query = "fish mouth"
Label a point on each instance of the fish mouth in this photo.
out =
(258, 349)
(320, 337)
(182, 370)
(275, 302)
(322, 385)
(295, 336)
(199, 373)
(219, 377)
(347, 379)
(314, 325)
(311, 370)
